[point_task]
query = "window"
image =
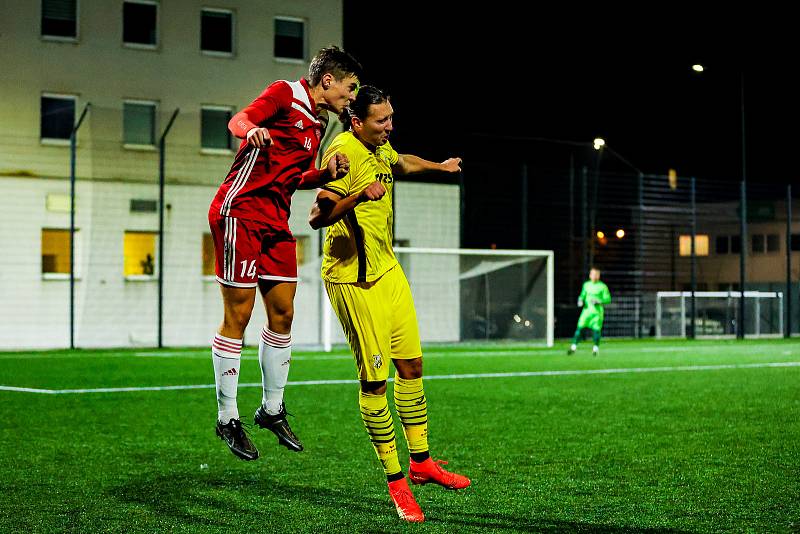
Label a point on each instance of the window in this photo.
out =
(57, 116)
(773, 243)
(139, 254)
(762, 243)
(290, 40)
(139, 23)
(214, 132)
(795, 242)
(303, 250)
(58, 202)
(757, 243)
(59, 19)
(55, 252)
(722, 245)
(216, 31)
(139, 123)
(700, 245)
(208, 255)
(736, 244)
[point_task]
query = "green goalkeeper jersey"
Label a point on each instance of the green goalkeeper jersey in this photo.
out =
(594, 296)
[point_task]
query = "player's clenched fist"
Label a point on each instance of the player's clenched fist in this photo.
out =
(373, 191)
(259, 138)
(452, 165)
(338, 166)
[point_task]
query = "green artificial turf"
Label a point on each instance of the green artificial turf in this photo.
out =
(707, 442)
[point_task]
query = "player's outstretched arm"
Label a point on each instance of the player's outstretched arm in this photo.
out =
(330, 207)
(338, 166)
(409, 164)
(245, 123)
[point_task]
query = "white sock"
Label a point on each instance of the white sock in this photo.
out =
(274, 355)
(227, 356)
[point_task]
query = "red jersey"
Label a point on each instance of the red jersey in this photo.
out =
(261, 182)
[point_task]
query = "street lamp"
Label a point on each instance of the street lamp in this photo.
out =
(743, 207)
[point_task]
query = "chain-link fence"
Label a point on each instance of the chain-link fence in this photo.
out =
(140, 269)
(647, 233)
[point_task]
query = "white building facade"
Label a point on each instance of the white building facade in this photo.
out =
(137, 62)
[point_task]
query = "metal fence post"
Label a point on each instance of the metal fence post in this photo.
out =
(787, 324)
(161, 181)
(742, 258)
(73, 150)
(692, 306)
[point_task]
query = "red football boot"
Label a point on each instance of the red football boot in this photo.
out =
(404, 501)
(432, 471)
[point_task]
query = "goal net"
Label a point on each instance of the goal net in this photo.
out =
(465, 295)
(717, 313)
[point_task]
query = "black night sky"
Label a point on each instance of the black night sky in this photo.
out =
(518, 69)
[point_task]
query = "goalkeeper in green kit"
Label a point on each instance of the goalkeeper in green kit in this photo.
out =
(594, 297)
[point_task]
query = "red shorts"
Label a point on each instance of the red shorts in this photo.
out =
(247, 251)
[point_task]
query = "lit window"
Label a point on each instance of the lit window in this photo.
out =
(208, 255)
(139, 123)
(214, 132)
(216, 31)
(59, 18)
(139, 23)
(57, 116)
(139, 253)
(700, 245)
(303, 242)
(290, 41)
(55, 251)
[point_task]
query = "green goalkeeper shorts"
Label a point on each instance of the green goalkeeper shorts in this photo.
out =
(590, 319)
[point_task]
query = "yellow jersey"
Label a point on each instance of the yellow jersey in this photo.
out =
(358, 247)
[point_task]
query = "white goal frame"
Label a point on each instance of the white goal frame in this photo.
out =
(756, 295)
(328, 320)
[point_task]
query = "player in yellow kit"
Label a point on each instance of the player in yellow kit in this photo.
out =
(370, 293)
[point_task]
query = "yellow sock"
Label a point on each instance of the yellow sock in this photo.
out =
(411, 406)
(380, 427)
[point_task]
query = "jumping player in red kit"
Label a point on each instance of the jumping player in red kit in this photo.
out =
(249, 218)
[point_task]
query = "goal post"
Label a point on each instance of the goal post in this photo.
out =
(474, 295)
(717, 313)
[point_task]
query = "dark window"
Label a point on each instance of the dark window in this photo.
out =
(59, 18)
(289, 38)
(796, 242)
(773, 243)
(216, 31)
(214, 128)
(736, 244)
(721, 244)
(57, 117)
(758, 243)
(139, 23)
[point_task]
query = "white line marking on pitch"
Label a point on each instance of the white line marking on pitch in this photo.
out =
(430, 377)
(430, 353)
